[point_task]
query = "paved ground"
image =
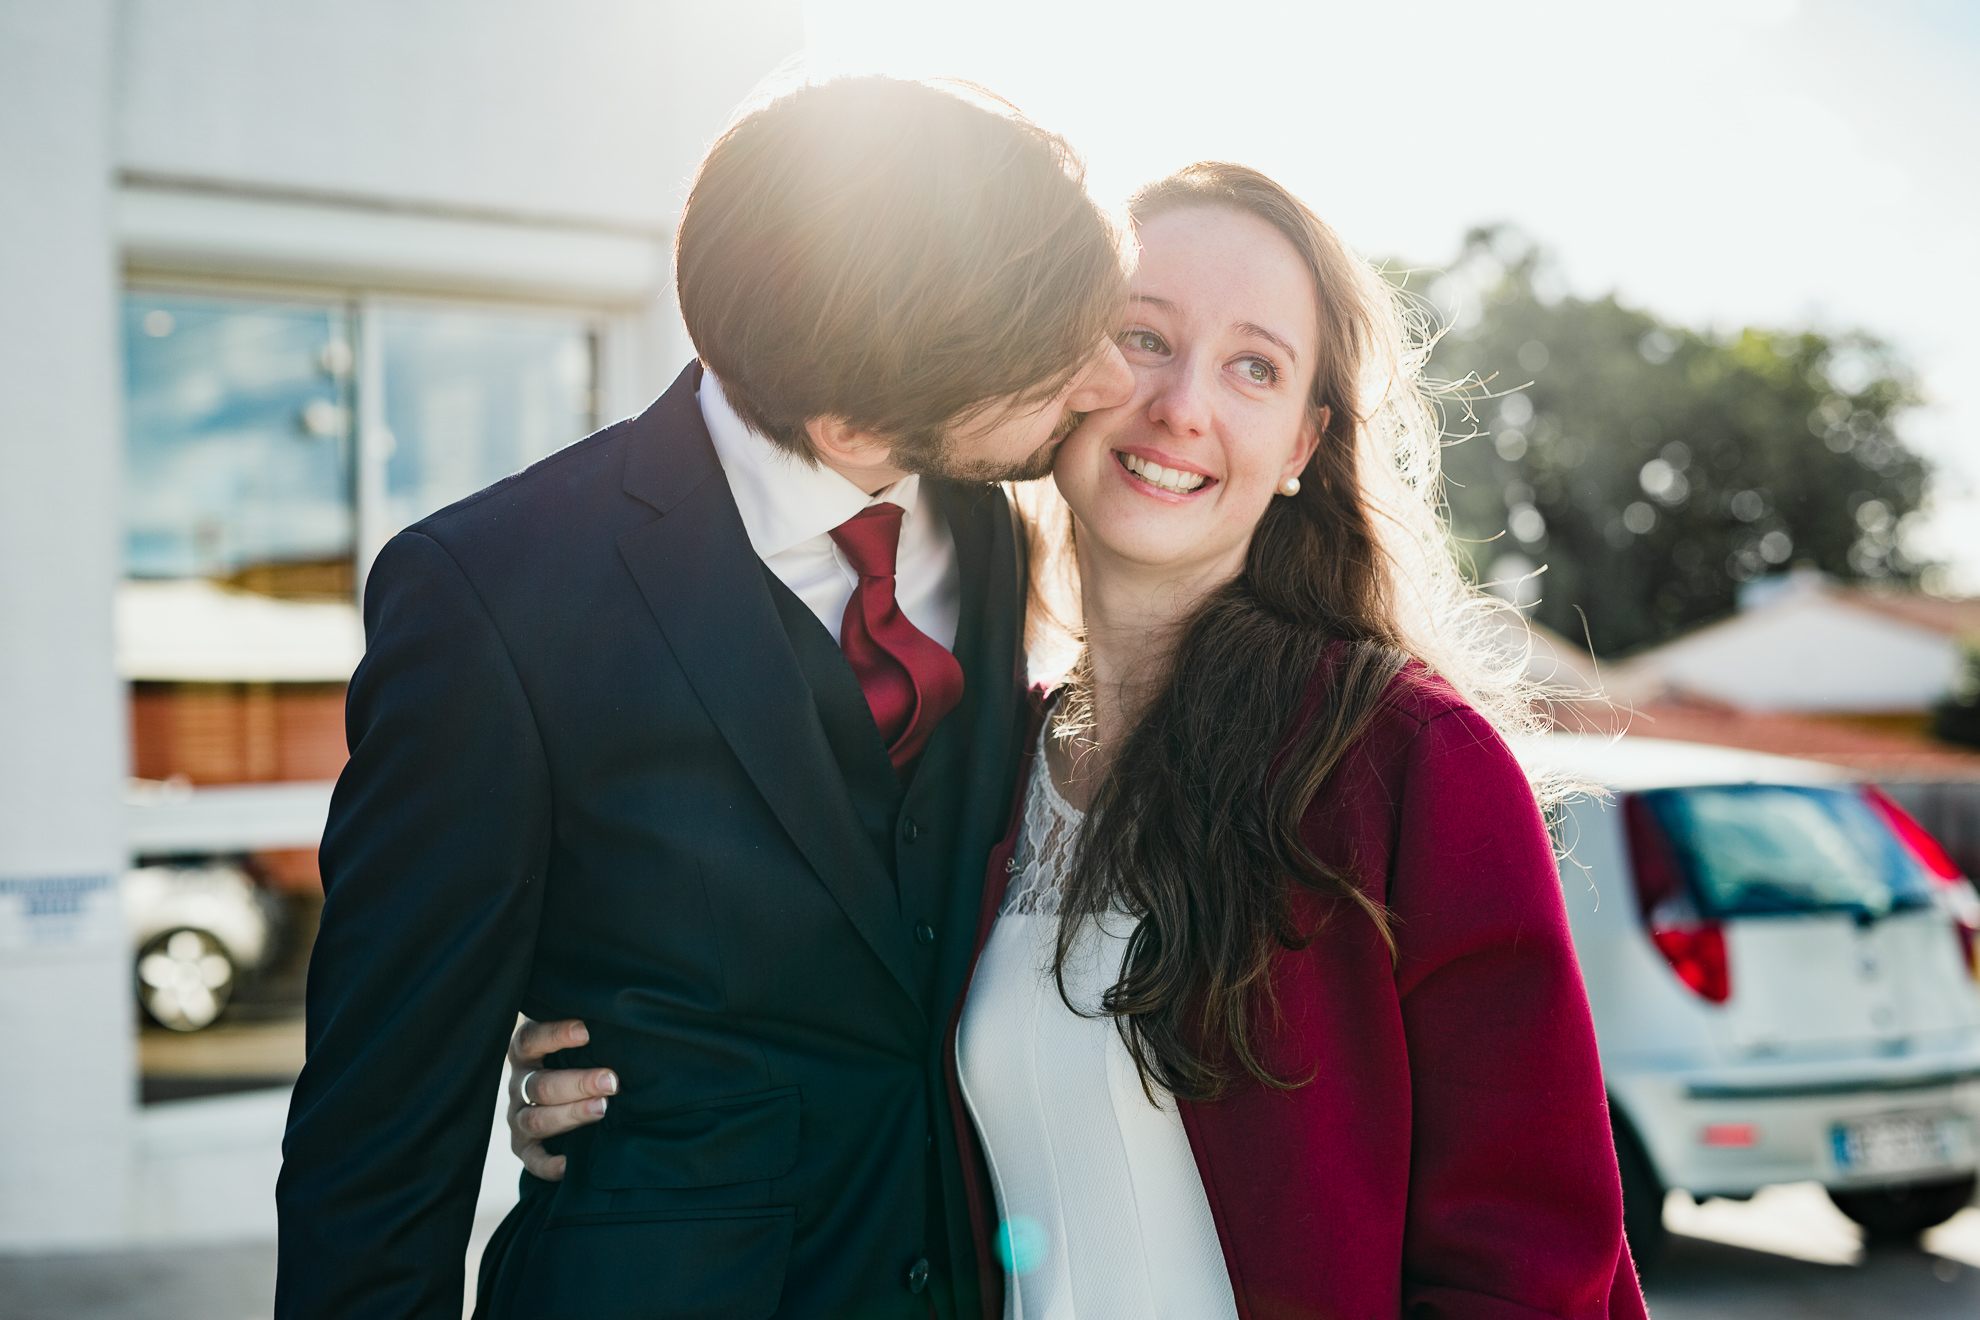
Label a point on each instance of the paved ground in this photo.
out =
(1788, 1254)
(208, 1283)
(1714, 1281)
(1807, 1266)
(185, 1283)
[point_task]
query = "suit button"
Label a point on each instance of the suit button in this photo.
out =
(918, 1275)
(924, 934)
(910, 831)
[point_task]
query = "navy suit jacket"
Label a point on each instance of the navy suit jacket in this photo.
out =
(590, 778)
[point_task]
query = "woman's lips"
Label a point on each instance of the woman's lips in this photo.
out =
(1170, 480)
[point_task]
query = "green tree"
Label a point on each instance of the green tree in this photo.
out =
(1651, 469)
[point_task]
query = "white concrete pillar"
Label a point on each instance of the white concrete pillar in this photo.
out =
(66, 1085)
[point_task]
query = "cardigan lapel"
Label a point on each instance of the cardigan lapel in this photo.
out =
(705, 586)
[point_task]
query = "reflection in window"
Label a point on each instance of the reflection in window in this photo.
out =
(238, 454)
(471, 397)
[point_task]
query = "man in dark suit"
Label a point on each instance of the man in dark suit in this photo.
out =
(700, 731)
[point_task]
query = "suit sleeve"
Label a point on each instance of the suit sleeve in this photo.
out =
(1515, 1207)
(433, 865)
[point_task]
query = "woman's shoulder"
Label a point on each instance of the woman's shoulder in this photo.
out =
(1419, 693)
(1429, 799)
(1416, 702)
(1423, 729)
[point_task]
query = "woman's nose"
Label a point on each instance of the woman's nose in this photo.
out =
(1182, 403)
(1105, 382)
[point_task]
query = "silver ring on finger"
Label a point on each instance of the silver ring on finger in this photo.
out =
(524, 1088)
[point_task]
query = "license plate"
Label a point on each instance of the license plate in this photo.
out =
(1898, 1143)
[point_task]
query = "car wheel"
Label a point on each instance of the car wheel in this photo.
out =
(184, 978)
(1642, 1195)
(1901, 1213)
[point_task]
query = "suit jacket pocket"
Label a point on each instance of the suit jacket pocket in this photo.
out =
(750, 1138)
(672, 1265)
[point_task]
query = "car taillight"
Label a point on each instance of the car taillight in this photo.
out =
(1955, 890)
(1695, 949)
(1916, 840)
(1697, 953)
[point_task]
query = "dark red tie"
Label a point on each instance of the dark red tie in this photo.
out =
(909, 680)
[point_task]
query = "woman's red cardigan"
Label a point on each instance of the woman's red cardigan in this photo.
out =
(1452, 1155)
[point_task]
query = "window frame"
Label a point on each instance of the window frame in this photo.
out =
(363, 306)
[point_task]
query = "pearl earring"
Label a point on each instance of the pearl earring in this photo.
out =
(1290, 486)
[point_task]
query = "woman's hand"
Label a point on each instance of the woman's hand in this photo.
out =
(559, 1100)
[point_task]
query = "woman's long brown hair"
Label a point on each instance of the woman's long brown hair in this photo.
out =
(1195, 827)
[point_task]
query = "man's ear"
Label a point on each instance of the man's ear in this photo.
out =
(843, 445)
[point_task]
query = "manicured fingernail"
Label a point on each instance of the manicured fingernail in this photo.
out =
(609, 1083)
(596, 1108)
(580, 1035)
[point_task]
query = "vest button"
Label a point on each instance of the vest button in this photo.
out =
(924, 933)
(909, 830)
(917, 1276)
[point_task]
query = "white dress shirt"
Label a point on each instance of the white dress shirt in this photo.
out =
(790, 507)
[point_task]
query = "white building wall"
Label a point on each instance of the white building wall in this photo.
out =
(551, 141)
(65, 1006)
(591, 110)
(584, 115)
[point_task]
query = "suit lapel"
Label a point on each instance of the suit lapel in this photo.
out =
(705, 586)
(982, 739)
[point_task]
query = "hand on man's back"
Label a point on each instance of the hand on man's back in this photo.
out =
(559, 1099)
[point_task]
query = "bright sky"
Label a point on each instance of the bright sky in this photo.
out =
(1722, 162)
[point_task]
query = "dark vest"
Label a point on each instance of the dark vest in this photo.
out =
(933, 831)
(916, 824)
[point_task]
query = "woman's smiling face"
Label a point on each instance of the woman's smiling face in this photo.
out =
(1222, 335)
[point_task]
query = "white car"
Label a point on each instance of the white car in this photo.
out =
(1781, 966)
(194, 929)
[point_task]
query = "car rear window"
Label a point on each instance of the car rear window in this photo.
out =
(1760, 849)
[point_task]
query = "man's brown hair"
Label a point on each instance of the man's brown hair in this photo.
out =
(894, 254)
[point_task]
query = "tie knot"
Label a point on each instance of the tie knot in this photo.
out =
(870, 539)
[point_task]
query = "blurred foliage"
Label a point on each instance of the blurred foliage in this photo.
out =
(1651, 469)
(1957, 718)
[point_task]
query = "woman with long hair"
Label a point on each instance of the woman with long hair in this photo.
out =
(1273, 1010)
(1276, 1012)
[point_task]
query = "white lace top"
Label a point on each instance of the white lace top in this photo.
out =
(1102, 1210)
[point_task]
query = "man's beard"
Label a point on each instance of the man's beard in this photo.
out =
(934, 455)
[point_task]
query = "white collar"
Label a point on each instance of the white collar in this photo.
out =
(784, 501)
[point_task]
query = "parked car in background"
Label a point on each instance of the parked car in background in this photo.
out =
(195, 929)
(1782, 971)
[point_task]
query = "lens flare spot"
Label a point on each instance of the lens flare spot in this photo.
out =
(1021, 1244)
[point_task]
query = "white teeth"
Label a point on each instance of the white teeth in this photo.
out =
(1170, 479)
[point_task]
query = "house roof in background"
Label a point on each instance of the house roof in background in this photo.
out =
(1953, 617)
(1883, 749)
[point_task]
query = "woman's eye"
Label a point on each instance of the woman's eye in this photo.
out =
(1258, 371)
(1142, 341)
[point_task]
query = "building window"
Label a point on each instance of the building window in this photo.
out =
(275, 444)
(239, 439)
(470, 398)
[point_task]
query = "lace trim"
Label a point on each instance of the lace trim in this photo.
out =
(1044, 853)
